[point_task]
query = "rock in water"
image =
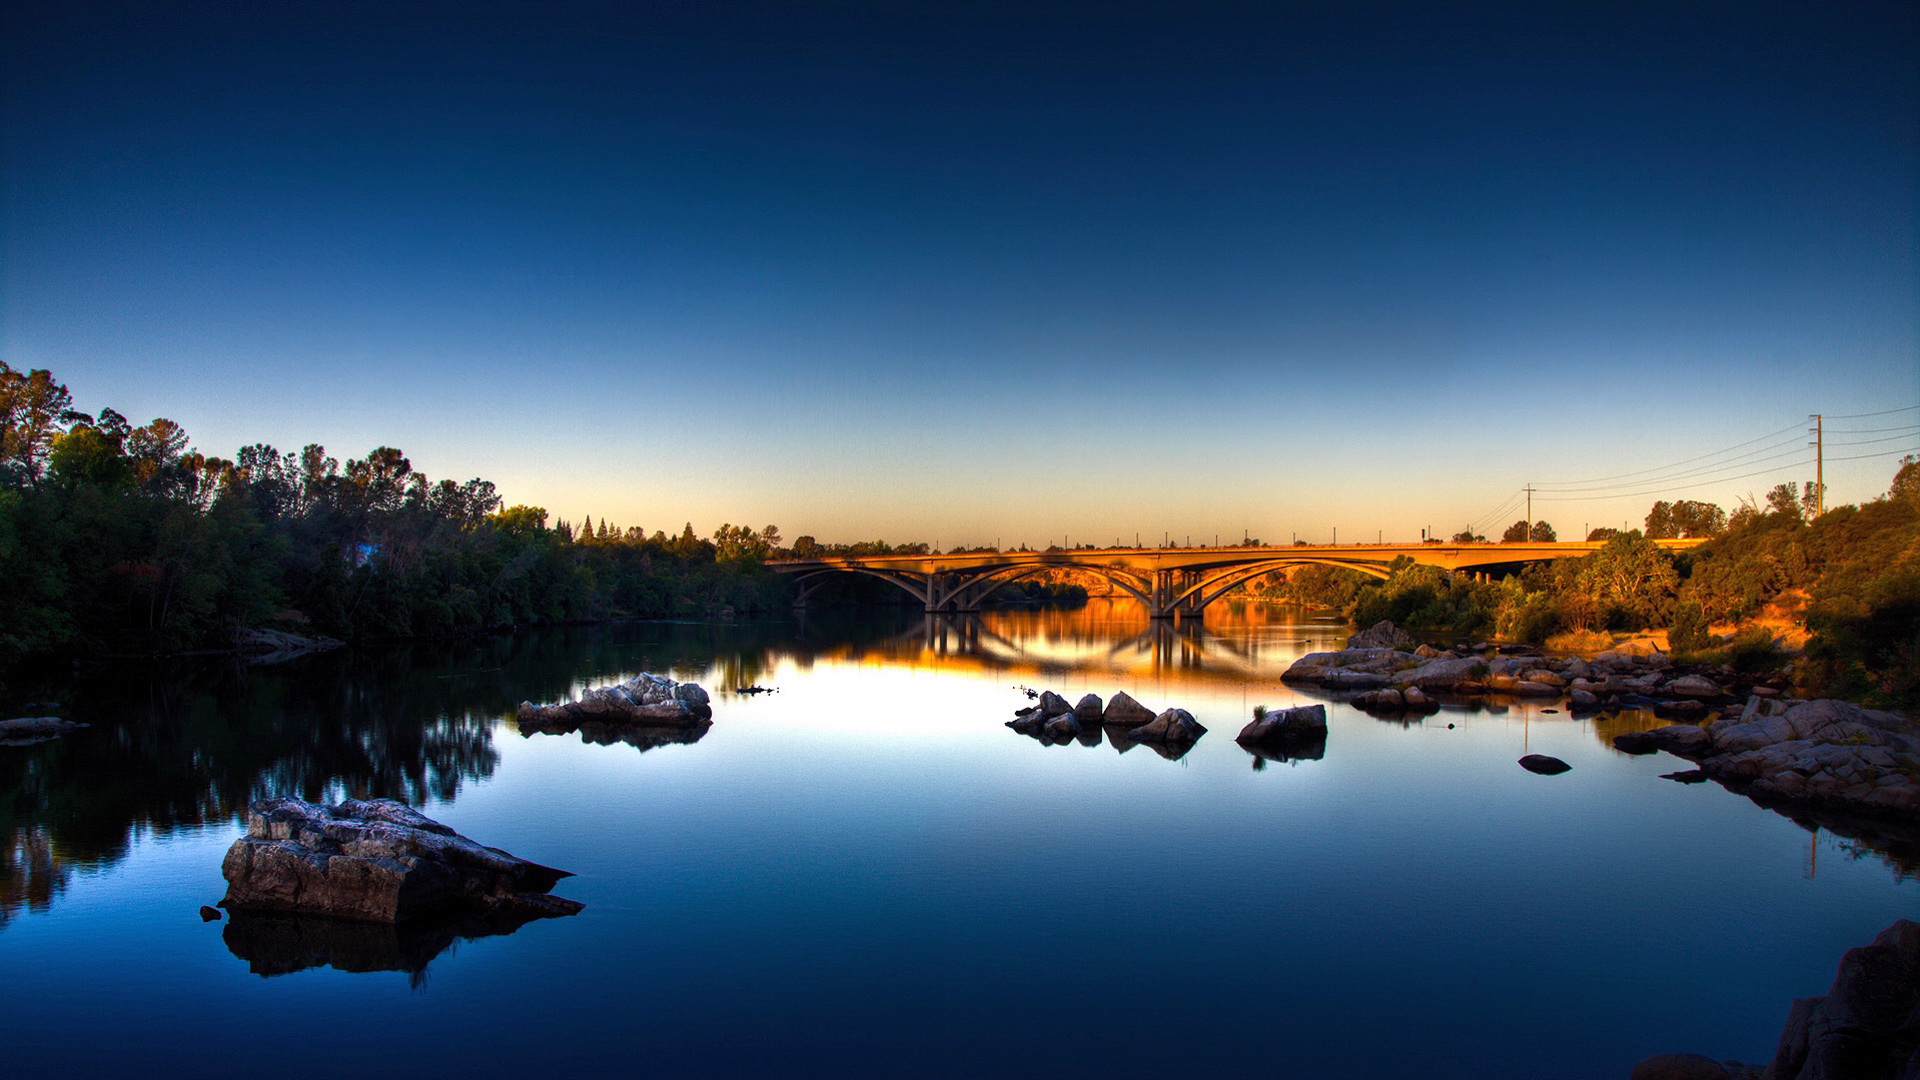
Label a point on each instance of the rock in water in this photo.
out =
(376, 860)
(1062, 728)
(1868, 1025)
(1544, 765)
(1087, 710)
(1053, 705)
(209, 914)
(1381, 635)
(653, 700)
(1279, 725)
(1171, 726)
(1683, 739)
(33, 729)
(1122, 709)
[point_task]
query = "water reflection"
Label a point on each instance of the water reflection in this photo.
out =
(273, 943)
(190, 743)
(641, 737)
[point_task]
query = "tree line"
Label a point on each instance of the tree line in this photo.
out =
(116, 538)
(1850, 574)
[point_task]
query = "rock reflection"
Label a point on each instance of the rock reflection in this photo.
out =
(1296, 748)
(597, 733)
(279, 944)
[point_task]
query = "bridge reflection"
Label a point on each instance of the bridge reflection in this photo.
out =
(1109, 639)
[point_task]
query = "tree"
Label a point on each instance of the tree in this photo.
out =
(1602, 533)
(1784, 500)
(1660, 521)
(1516, 533)
(1468, 536)
(1906, 482)
(32, 409)
(1692, 519)
(1543, 533)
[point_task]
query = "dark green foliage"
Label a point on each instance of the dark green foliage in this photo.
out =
(120, 539)
(1428, 598)
(1687, 632)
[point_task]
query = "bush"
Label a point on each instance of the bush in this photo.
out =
(1688, 631)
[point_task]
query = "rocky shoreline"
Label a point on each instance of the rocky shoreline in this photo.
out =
(1823, 757)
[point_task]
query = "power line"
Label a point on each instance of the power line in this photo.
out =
(1883, 412)
(1675, 472)
(1883, 453)
(1865, 442)
(1794, 428)
(1774, 470)
(1703, 474)
(1872, 430)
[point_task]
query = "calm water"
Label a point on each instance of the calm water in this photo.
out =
(865, 873)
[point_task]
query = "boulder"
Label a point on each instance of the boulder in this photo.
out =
(1381, 635)
(209, 914)
(1418, 700)
(1441, 674)
(1123, 710)
(1053, 704)
(1381, 701)
(1172, 726)
(1278, 725)
(377, 860)
(1087, 710)
(1583, 699)
(33, 729)
(1694, 686)
(1029, 721)
(1061, 728)
(1544, 765)
(1868, 1025)
(653, 700)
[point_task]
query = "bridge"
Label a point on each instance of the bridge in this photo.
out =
(1171, 582)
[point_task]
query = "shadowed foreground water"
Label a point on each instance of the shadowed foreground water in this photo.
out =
(865, 873)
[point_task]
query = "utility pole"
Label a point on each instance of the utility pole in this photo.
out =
(1529, 490)
(1819, 465)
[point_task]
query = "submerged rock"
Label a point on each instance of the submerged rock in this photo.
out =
(27, 730)
(1544, 765)
(1691, 1067)
(376, 860)
(1682, 739)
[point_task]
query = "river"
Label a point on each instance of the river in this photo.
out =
(864, 872)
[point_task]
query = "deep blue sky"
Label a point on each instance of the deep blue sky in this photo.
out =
(970, 272)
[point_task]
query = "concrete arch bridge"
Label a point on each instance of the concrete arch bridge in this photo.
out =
(1170, 582)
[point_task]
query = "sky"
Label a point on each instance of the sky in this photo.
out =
(988, 273)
